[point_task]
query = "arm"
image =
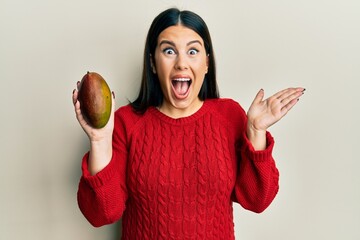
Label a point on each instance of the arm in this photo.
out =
(100, 139)
(102, 190)
(102, 197)
(257, 180)
(263, 114)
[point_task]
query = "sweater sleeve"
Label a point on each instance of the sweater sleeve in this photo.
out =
(102, 197)
(257, 180)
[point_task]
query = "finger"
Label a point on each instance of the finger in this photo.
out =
(113, 105)
(77, 106)
(78, 110)
(289, 106)
(84, 124)
(295, 95)
(280, 93)
(259, 97)
(286, 92)
(74, 96)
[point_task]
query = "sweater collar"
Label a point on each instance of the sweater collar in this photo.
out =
(183, 120)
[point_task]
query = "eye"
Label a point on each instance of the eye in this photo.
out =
(193, 51)
(169, 51)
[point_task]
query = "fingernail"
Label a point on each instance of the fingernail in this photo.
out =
(304, 90)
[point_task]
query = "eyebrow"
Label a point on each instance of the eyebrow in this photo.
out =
(173, 44)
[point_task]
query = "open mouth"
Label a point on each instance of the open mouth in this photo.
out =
(181, 86)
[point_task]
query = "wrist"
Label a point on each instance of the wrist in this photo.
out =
(256, 137)
(100, 155)
(102, 143)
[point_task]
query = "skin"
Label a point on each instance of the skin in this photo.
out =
(180, 53)
(262, 114)
(100, 152)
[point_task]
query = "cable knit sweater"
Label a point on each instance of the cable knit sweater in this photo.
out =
(177, 178)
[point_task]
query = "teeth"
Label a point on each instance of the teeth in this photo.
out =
(182, 79)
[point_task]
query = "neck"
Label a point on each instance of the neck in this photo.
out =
(177, 112)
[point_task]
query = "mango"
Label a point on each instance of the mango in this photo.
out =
(95, 99)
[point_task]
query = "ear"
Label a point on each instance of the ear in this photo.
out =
(152, 64)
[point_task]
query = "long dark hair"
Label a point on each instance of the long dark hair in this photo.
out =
(150, 91)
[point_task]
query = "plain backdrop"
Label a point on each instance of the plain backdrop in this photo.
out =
(47, 46)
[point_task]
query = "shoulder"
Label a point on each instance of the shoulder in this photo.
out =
(126, 113)
(227, 108)
(126, 119)
(230, 114)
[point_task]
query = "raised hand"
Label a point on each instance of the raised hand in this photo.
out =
(100, 139)
(264, 113)
(93, 133)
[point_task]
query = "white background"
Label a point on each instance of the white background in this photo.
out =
(47, 46)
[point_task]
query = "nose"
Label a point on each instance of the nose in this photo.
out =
(181, 62)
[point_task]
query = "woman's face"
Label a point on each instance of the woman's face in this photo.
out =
(181, 63)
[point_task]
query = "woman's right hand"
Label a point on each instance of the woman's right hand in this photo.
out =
(94, 134)
(100, 139)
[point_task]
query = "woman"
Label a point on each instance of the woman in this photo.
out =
(171, 163)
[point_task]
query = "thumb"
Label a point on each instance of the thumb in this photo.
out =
(259, 97)
(112, 105)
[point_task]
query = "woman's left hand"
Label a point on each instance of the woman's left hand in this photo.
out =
(264, 113)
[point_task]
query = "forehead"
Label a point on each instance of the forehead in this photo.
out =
(179, 34)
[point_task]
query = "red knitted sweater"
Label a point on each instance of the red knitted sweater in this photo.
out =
(177, 178)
